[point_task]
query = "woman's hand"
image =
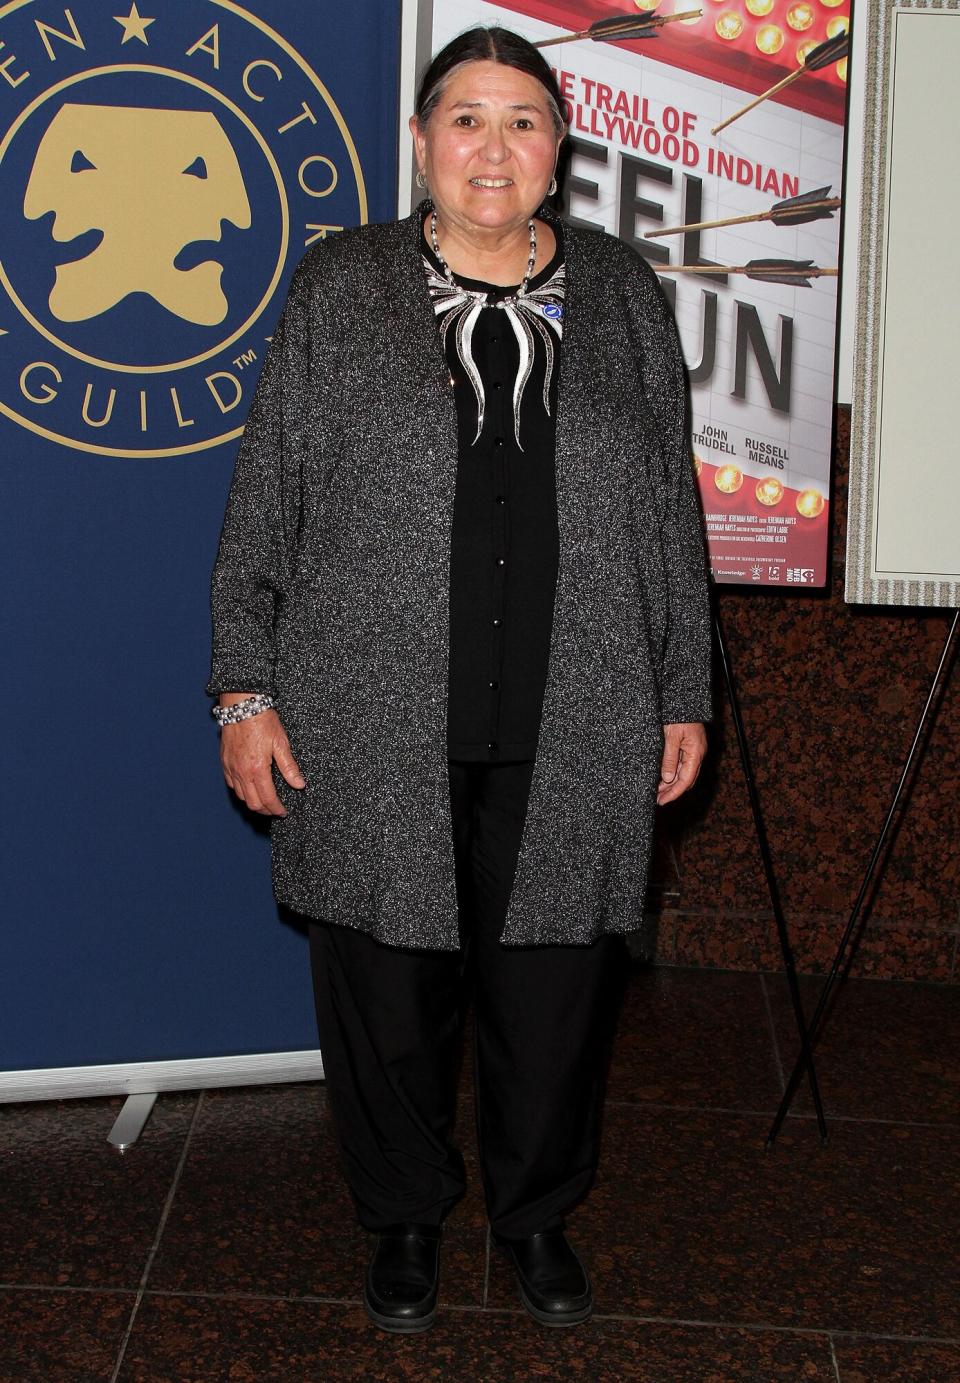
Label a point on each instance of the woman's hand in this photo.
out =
(684, 747)
(248, 751)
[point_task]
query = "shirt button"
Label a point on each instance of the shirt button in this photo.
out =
(494, 340)
(497, 384)
(497, 623)
(501, 561)
(492, 744)
(501, 499)
(498, 442)
(494, 686)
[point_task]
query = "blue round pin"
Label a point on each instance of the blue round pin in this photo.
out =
(553, 310)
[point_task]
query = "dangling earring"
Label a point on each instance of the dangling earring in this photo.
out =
(421, 178)
(552, 189)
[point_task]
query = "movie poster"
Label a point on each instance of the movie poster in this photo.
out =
(755, 299)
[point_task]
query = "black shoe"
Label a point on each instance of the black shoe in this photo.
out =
(553, 1283)
(400, 1288)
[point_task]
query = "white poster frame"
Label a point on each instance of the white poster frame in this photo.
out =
(904, 481)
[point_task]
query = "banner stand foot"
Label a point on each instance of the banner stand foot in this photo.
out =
(129, 1123)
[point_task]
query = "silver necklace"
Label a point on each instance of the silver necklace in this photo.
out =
(479, 294)
(533, 314)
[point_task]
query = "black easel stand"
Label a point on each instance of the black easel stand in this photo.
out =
(942, 667)
(806, 1056)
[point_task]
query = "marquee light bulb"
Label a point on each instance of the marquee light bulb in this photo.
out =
(810, 504)
(759, 7)
(801, 16)
(837, 26)
(769, 491)
(803, 49)
(729, 25)
(646, 4)
(769, 39)
(842, 69)
(697, 464)
(832, 4)
(728, 479)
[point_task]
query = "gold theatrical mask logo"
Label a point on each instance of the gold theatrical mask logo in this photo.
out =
(154, 182)
(181, 161)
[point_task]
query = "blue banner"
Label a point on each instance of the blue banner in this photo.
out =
(162, 170)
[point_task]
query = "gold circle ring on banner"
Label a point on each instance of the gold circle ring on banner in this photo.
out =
(284, 218)
(282, 177)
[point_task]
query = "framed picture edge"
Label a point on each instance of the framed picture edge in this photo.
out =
(862, 585)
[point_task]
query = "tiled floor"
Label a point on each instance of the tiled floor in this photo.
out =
(221, 1247)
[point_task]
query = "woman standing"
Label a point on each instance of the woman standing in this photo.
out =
(461, 650)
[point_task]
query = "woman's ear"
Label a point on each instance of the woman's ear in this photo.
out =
(419, 140)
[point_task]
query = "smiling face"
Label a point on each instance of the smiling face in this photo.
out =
(488, 149)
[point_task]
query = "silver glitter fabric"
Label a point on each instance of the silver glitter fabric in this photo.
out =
(331, 593)
(537, 313)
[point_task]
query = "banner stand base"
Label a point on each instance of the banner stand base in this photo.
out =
(154, 1077)
(131, 1120)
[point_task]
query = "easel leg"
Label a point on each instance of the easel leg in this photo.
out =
(806, 1057)
(942, 666)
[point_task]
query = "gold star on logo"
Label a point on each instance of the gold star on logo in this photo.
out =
(134, 26)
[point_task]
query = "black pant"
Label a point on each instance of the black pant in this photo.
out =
(389, 1021)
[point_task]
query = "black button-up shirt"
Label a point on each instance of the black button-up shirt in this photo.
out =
(504, 544)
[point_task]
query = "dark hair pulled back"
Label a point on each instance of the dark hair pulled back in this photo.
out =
(488, 45)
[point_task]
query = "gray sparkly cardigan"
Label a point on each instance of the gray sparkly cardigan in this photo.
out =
(331, 588)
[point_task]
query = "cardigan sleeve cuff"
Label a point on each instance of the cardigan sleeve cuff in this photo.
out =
(247, 677)
(685, 709)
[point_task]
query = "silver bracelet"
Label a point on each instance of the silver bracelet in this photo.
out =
(242, 710)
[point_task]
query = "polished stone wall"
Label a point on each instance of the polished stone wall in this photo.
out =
(831, 695)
